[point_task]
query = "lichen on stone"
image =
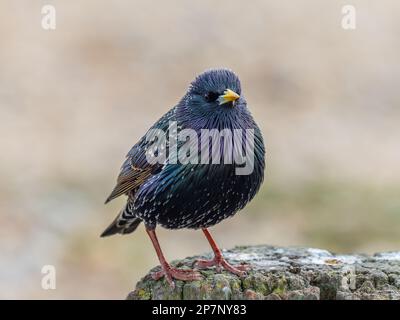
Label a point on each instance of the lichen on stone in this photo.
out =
(285, 273)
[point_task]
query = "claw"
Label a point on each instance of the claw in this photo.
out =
(220, 262)
(171, 273)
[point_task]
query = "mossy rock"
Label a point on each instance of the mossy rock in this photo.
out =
(285, 274)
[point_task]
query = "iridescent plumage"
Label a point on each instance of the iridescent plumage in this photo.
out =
(192, 195)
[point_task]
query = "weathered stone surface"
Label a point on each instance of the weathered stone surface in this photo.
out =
(285, 274)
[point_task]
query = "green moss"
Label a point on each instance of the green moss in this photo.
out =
(191, 290)
(328, 283)
(281, 287)
(222, 289)
(259, 283)
(143, 294)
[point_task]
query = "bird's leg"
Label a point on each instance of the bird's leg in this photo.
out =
(167, 271)
(219, 261)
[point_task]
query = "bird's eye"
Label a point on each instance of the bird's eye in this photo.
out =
(211, 96)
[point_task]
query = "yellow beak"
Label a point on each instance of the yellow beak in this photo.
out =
(228, 96)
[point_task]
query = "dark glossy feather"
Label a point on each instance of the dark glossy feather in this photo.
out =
(196, 195)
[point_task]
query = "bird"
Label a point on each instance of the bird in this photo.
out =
(193, 195)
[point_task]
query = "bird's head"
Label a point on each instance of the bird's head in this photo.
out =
(214, 92)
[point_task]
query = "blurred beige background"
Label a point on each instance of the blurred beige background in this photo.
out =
(74, 100)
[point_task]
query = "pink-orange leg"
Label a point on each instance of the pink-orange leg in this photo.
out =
(219, 262)
(167, 271)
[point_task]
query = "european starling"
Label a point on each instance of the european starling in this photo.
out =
(198, 193)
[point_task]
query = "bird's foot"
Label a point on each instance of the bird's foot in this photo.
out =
(219, 262)
(171, 273)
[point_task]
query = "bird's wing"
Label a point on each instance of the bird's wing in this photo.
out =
(136, 169)
(130, 178)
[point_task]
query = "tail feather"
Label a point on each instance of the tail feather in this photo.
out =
(114, 228)
(124, 223)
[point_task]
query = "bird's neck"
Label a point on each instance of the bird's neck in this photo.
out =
(225, 119)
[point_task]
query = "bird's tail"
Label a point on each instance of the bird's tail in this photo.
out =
(124, 223)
